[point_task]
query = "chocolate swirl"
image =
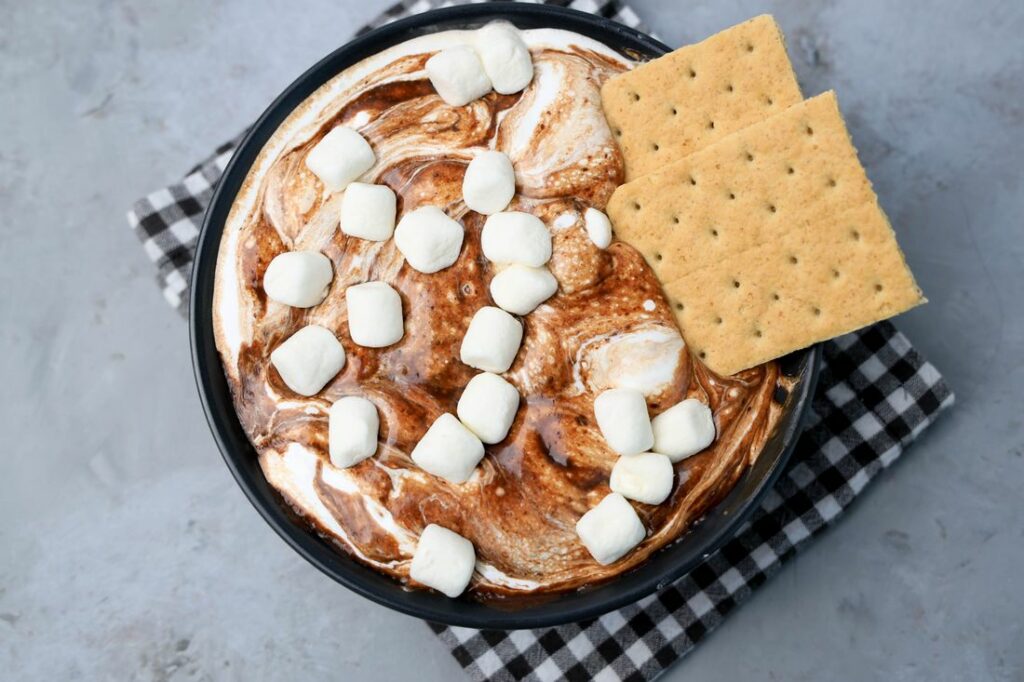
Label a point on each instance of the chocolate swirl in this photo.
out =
(609, 325)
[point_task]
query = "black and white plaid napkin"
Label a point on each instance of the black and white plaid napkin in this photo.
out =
(876, 394)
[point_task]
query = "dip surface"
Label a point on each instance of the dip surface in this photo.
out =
(608, 326)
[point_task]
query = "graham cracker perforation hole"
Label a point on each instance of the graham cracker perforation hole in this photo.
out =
(816, 311)
(714, 232)
(675, 112)
(635, 96)
(750, 47)
(793, 260)
(675, 220)
(775, 297)
(732, 195)
(693, 74)
(729, 88)
(790, 170)
(702, 355)
(878, 288)
(835, 274)
(855, 235)
(618, 132)
(718, 320)
(679, 305)
(693, 181)
(636, 205)
(655, 146)
(735, 284)
(771, 208)
(750, 157)
(831, 182)
(757, 333)
(769, 101)
(809, 130)
(711, 125)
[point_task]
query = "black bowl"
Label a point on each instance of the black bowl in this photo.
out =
(662, 568)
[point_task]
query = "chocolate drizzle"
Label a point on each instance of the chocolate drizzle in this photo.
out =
(609, 323)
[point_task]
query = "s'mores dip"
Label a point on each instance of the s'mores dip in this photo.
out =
(448, 361)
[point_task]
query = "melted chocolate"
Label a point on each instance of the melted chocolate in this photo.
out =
(608, 323)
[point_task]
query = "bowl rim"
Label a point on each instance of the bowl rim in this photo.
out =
(661, 569)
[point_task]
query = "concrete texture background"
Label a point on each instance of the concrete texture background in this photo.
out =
(127, 552)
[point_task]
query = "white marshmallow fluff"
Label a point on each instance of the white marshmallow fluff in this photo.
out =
(457, 75)
(647, 477)
(352, 428)
(308, 359)
(622, 417)
(488, 407)
(374, 314)
(505, 57)
(492, 340)
(341, 156)
(448, 449)
(444, 560)
(489, 183)
(298, 278)
(429, 239)
(516, 237)
(599, 228)
(683, 430)
(368, 211)
(519, 289)
(610, 529)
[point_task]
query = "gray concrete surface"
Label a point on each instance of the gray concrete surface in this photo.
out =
(126, 551)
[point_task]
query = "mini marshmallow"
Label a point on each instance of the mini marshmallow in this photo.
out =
(488, 407)
(374, 314)
(352, 428)
(448, 449)
(683, 430)
(505, 57)
(516, 237)
(492, 340)
(647, 477)
(622, 417)
(308, 359)
(341, 156)
(429, 239)
(520, 289)
(610, 529)
(444, 560)
(489, 183)
(298, 278)
(368, 211)
(599, 228)
(457, 75)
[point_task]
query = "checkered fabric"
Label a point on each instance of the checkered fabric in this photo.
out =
(876, 394)
(168, 222)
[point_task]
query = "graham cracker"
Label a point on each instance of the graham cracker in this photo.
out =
(677, 104)
(769, 240)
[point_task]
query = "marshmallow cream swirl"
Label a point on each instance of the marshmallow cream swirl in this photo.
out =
(609, 325)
